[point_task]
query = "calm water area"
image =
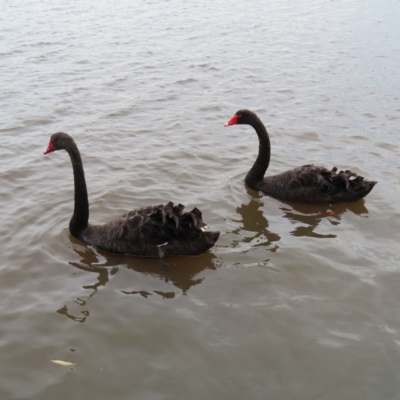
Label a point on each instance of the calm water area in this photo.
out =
(294, 301)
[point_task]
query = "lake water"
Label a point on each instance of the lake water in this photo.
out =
(294, 301)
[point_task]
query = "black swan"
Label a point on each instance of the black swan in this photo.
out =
(154, 231)
(306, 184)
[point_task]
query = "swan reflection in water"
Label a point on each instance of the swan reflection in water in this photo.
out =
(254, 227)
(308, 217)
(178, 272)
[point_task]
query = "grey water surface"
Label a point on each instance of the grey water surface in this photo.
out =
(295, 301)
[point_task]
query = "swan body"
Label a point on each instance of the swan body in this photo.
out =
(153, 232)
(306, 184)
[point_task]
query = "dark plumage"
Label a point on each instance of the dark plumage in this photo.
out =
(154, 231)
(306, 184)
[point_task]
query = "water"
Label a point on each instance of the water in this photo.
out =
(293, 302)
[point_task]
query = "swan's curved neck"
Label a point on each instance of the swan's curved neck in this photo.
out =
(257, 172)
(80, 217)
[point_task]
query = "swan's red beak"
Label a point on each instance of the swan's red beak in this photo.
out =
(232, 121)
(50, 147)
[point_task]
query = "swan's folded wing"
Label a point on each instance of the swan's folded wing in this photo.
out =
(305, 176)
(162, 223)
(343, 184)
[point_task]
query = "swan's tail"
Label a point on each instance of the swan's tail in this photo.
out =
(355, 186)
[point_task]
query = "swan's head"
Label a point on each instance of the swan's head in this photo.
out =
(58, 141)
(241, 117)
